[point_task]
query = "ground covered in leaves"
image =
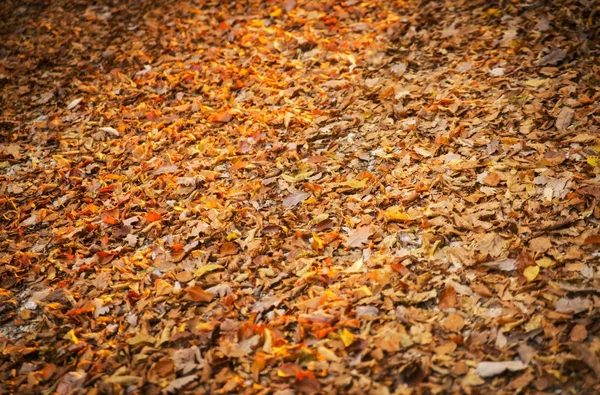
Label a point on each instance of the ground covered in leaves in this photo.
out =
(287, 197)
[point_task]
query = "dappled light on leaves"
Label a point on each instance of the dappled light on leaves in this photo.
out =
(299, 197)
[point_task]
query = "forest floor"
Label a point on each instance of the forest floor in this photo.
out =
(297, 196)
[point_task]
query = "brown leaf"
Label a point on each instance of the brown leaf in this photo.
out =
(447, 298)
(575, 305)
(555, 56)
(492, 179)
(588, 356)
(540, 244)
(593, 239)
(229, 248)
(578, 333)
(563, 120)
(293, 199)
(70, 382)
(453, 323)
(358, 237)
(491, 244)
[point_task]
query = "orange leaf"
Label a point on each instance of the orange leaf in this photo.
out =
(197, 294)
(108, 217)
(152, 216)
(223, 116)
(228, 248)
(594, 239)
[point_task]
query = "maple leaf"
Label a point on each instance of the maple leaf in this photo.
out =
(358, 237)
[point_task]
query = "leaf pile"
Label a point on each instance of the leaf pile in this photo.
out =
(299, 197)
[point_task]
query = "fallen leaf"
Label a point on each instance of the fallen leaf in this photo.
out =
(575, 305)
(293, 199)
(176, 385)
(358, 237)
(563, 120)
(71, 381)
(490, 369)
(74, 103)
(578, 333)
(197, 294)
(492, 179)
(453, 323)
(153, 216)
(540, 244)
(206, 269)
(531, 272)
(491, 244)
(555, 56)
(228, 249)
(447, 298)
(396, 213)
(347, 337)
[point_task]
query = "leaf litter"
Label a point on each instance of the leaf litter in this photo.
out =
(299, 197)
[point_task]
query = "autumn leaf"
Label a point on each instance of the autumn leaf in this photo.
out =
(491, 244)
(207, 269)
(490, 369)
(396, 213)
(447, 298)
(222, 116)
(152, 216)
(299, 197)
(531, 272)
(197, 294)
(492, 179)
(358, 237)
(563, 120)
(293, 199)
(347, 337)
(228, 248)
(453, 323)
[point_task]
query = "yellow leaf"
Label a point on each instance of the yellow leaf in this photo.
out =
(535, 82)
(396, 213)
(61, 161)
(71, 335)
(353, 183)
(207, 268)
(494, 12)
(232, 236)
(531, 273)
(163, 288)
(141, 338)
(545, 262)
(319, 218)
(592, 160)
(310, 200)
(347, 337)
(276, 12)
(317, 243)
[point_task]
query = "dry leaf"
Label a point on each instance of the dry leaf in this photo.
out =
(358, 237)
(563, 120)
(293, 199)
(490, 369)
(575, 305)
